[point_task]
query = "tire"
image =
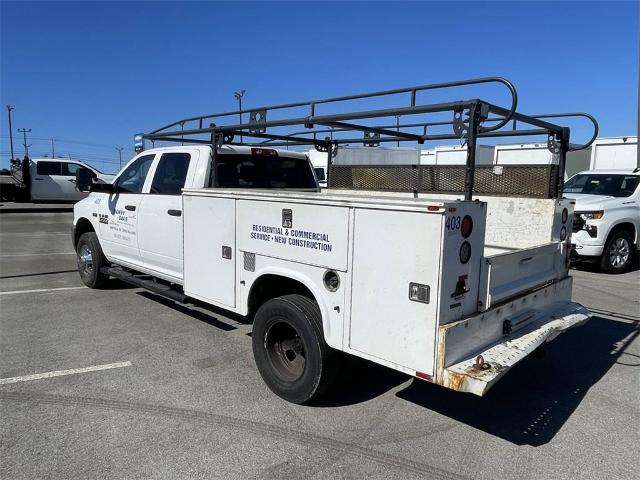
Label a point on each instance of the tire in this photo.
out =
(617, 255)
(90, 260)
(289, 349)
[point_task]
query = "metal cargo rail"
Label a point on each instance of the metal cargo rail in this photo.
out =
(301, 124)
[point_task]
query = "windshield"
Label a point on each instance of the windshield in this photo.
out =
(260, 171)
(614, 185)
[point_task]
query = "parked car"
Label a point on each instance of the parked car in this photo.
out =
(606, 216)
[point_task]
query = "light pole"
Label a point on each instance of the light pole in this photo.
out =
(182, 130)
(239, 94)
(53, 148)
(119, 149)
(24, 132)
(9, 108)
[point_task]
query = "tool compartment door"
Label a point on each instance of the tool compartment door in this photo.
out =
(210, 249)
(392, 249)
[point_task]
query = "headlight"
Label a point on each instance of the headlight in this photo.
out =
(596, 215)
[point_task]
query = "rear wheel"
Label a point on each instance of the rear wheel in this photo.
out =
(289, 349)
(618, 253)
(90, 260)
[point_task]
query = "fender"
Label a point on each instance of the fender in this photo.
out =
(331, 320)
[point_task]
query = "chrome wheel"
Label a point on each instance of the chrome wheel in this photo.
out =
(619, 252)
(85, 260)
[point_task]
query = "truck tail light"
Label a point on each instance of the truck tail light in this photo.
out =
(467, 226)
(563, 234)
(465, 252)
(265, 152)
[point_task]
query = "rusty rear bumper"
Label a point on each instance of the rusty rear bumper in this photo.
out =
(476, 372)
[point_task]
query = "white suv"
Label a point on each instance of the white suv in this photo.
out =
(606, 216)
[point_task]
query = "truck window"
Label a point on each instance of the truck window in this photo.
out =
(132, 178)
(171, 174)
(48, 168)
(251, 171)
(615, 185)
(71, 169)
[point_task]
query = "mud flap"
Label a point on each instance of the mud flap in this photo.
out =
(478, 373)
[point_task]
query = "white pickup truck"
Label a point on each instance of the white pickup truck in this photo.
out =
(449, 290)
(48, 179)
(607, 216)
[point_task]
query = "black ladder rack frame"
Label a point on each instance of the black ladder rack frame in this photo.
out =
(472, 119)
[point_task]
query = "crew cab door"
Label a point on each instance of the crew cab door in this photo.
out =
(119, 217)
(160, 216)
(44, 180)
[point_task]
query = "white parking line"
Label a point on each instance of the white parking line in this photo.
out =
(27, 234)
(40, 290)
(35, 254)
(60, 373)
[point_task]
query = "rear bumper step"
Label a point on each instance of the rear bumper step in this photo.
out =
(478, 373)
(143, 281)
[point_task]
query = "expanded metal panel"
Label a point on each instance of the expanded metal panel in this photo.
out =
(536, 181)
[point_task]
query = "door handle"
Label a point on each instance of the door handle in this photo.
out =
(72, 180)
(175, 213)
(39, 178)
(131, 208)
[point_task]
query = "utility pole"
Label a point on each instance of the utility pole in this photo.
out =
(24, 132)
(398, 127)
(53, 148)
(9, 108)
(239, 94)
(120, 154)
(182, 130)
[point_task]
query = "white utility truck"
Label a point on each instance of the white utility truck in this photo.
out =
(48, 179)
(607, 217)
(389, 263)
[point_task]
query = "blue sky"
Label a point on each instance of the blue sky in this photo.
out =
(92, 74)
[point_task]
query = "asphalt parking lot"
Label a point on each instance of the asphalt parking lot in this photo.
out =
(184, 398)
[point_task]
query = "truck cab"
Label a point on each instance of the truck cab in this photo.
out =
(146, 197)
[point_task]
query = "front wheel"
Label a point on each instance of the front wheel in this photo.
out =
(289, 349)
(90, 260)
(618, 253)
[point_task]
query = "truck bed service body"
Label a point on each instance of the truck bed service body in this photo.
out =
(410, 279)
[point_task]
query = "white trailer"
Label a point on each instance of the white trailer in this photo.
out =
(457, 155)
(539, 154)
(346, 155)
(614, 153)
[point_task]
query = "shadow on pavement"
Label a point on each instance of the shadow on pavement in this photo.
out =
(532, 402)
(528, 406)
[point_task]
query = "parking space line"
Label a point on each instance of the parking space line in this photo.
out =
(60, 373)
(33, 234)
(40, 290)
(35, 254)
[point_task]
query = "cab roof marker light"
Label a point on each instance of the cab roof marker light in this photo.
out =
(265, 152)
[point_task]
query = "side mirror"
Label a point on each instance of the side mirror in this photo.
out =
(320, 175)
(83, 180)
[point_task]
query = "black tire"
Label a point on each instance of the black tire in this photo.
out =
(90, 260)
(617, 255)
(289, 349)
